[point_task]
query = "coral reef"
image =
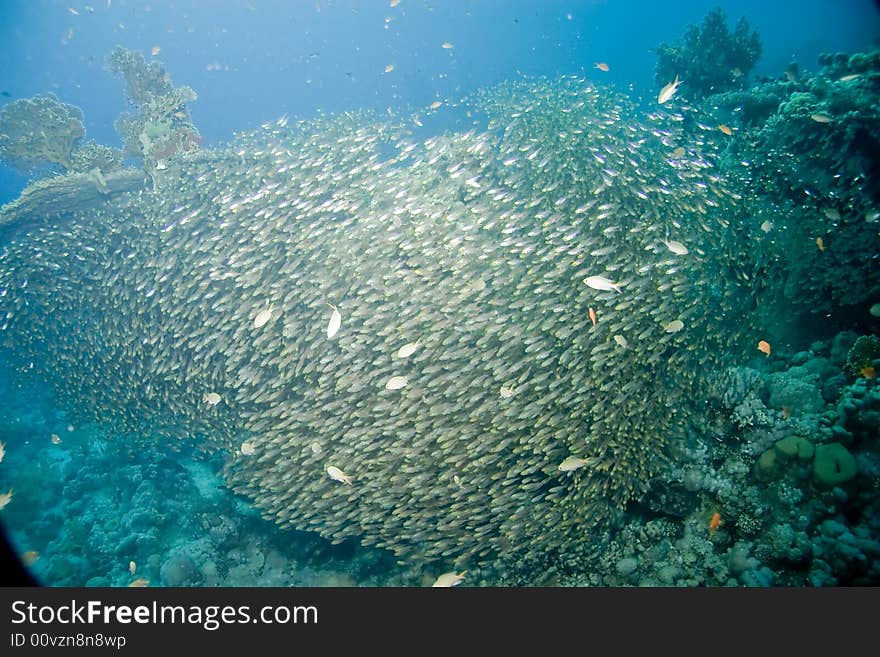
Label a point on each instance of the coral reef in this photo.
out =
(143, 81)
(92, 155)
(807, 148)
(39, 131)
(710, 59)
(162, 126)
(768, 477)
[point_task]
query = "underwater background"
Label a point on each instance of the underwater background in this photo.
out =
(402, 293)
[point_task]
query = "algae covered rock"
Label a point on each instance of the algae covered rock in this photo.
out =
(833, 465)
(767, 465)
(792, 447)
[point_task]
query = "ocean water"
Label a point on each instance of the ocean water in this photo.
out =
(379, 291)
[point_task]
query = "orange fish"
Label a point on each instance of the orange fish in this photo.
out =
(29, 557)
(726, 130)
(764, 347)
(820, 243)
(155, 50)
(715, 522)
(868, 372)
(602, 66)
(593, 316)
(140, 582)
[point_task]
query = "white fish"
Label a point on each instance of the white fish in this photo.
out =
(247, 448)
(211, 399)
(408, 349)
(668, 91)
(263, 317)
(338, 475)
(601, 283)
(335, 322)
(573, 463)
(676, 247)
(507, 391)
(767, 226)
(619, 339)
(132, 567)
(396, 383)
(449, 579)
(674, 326)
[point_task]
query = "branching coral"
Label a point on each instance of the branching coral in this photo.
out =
(142, 80)
(91, 155)
(39, 131)
(710, 59)
(162, 127)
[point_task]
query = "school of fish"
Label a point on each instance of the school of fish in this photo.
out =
(336, 304)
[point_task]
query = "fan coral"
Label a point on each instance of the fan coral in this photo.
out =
(39, 131)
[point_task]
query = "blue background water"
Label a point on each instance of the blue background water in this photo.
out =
(254, 61)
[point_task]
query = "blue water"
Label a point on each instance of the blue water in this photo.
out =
(254, 61)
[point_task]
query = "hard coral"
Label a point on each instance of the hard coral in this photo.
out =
(162, 127)
(813, 158)
(710, 59)
(142, 81)
(91, 155)
(39, 131)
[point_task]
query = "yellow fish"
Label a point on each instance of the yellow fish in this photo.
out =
(449, 579)
(338, 475)
(668, 91)
(5, 497)
(573, 463)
